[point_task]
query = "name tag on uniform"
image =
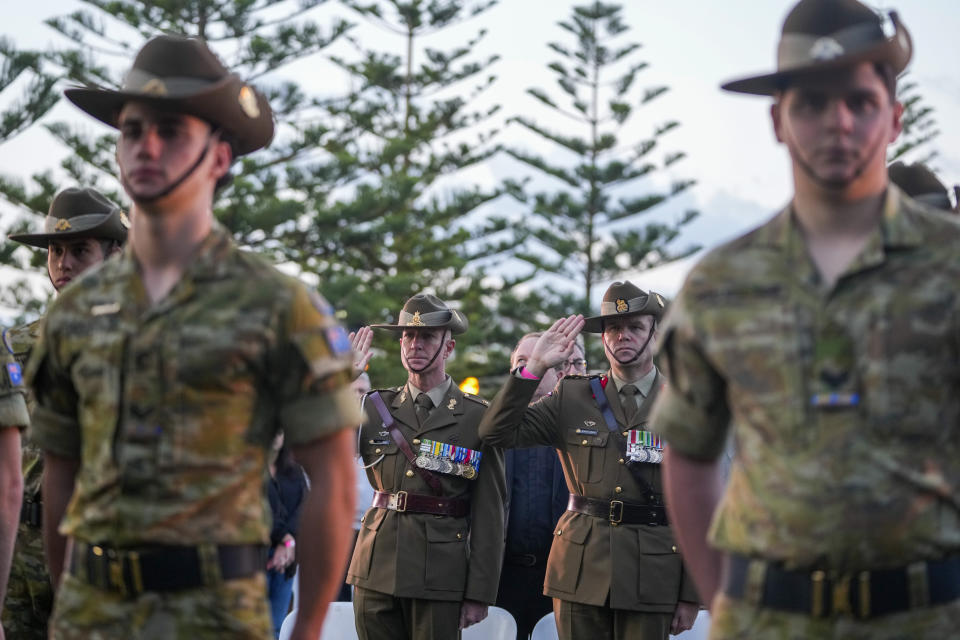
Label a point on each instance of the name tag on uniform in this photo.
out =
(644, 446)
(449, 458)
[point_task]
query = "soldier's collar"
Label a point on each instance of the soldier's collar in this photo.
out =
(644, 384)
(437, 394)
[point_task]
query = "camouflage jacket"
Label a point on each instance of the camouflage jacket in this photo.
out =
(22, 340)
(630, 567)
(13, 407)
(843, 401)
(171, 407)
(416, 555)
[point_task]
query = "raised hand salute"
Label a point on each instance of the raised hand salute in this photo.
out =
(555, 345)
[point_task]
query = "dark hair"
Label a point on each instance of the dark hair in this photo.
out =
(889, 78)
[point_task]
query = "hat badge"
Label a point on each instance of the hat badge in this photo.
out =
(248, 102)
(659, 299)
(154, 87)
(124, 220)
(415, 321)
(62, 225)
(826, 49)
(622, 305)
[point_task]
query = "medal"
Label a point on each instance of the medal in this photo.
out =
(469, 472)
(423, 461)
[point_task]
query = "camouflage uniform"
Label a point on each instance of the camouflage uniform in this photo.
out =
(13, 408)
(170, 409)
(843, 404)
(29, 601)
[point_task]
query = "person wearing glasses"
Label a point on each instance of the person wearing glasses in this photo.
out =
(536, 498)
(613, 569)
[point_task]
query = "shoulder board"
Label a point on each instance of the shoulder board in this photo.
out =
(384, 390)
(586, 377)
(477, 399)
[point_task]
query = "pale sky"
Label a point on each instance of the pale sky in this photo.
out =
(692, 46)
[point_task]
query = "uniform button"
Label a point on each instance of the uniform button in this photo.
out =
(584, 441)
(459, 535)
(621, 461)
(618, 489)
(416, 441)
(378, 450)
(674, 547)
(625, 433)
(409, 473)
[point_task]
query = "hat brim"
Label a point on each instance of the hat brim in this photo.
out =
(594, 324)
(110, 229)
(217, 105)
(457, 324)
(769, 84)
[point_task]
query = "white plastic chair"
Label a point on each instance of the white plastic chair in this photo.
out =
(498, 625)
(338, 625)
(545, 629)
(700, 629)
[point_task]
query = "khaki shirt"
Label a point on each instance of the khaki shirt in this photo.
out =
(417, 555)
(756, 344)
(636, 566)
(171, 408)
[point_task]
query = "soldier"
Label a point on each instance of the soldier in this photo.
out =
(613, 570)
(13, 418)
(81, 230)
(921, 184)
(428, 556)
(827, 341)
(162, 378)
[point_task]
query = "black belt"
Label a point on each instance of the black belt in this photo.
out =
(31, 513)
(418, 503)
(860, 594)
(162, 568)
(618, 511)
(524, 559)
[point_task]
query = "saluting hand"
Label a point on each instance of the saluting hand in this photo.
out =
(360, 340)
(555, 345)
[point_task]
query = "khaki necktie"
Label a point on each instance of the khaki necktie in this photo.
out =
(631, 404)
(423, 404)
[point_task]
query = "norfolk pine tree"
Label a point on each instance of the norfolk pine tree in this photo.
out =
(591, 227)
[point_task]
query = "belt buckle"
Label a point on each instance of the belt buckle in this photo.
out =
(841, 596)
(616, 512)
(401, 501)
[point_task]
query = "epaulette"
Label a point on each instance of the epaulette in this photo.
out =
(477, 399)
(385, 390)
(586, 377)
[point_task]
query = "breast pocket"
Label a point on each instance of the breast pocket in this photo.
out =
(97, 376)
(587, 453)
(381, 456)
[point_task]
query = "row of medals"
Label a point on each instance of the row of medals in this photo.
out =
(431, 463)
(645, 454)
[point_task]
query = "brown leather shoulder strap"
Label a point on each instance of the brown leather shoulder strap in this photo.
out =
(391, 426)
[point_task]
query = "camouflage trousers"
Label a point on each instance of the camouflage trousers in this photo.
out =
(234, 609)
(29, 600)
(735, 619)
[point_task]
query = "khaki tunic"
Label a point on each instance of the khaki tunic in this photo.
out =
(637, 566)
(416, 555)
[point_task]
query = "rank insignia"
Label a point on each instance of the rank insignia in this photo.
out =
(124, 220)
(415, 321)
(248, 102)
(62, 225)
(449, 458)
(589, 423)
(403, 395)
(452, 404)
(15, 374)
(622, 305)
(644, 446)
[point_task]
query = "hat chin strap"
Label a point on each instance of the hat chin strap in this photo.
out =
(627, 363)
(429, 364)
(142, 199)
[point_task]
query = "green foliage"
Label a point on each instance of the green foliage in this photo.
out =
(596, 75)
(920, 126)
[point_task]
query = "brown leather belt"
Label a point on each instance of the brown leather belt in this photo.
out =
(618, 511)
(860, 594)
(404, 502)
(162, 567)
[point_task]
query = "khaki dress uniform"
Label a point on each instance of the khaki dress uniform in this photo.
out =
(170, 409)
(413, 565)
(617, 573)
(840, 519)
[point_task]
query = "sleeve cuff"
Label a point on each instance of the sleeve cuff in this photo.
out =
(13, 412)
(55, 433)
(312, 417)
(686, 429)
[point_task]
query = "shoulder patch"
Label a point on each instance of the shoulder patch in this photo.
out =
(477, 399)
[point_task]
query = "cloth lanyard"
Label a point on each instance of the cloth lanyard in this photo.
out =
(390, 425)
(604, 405)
